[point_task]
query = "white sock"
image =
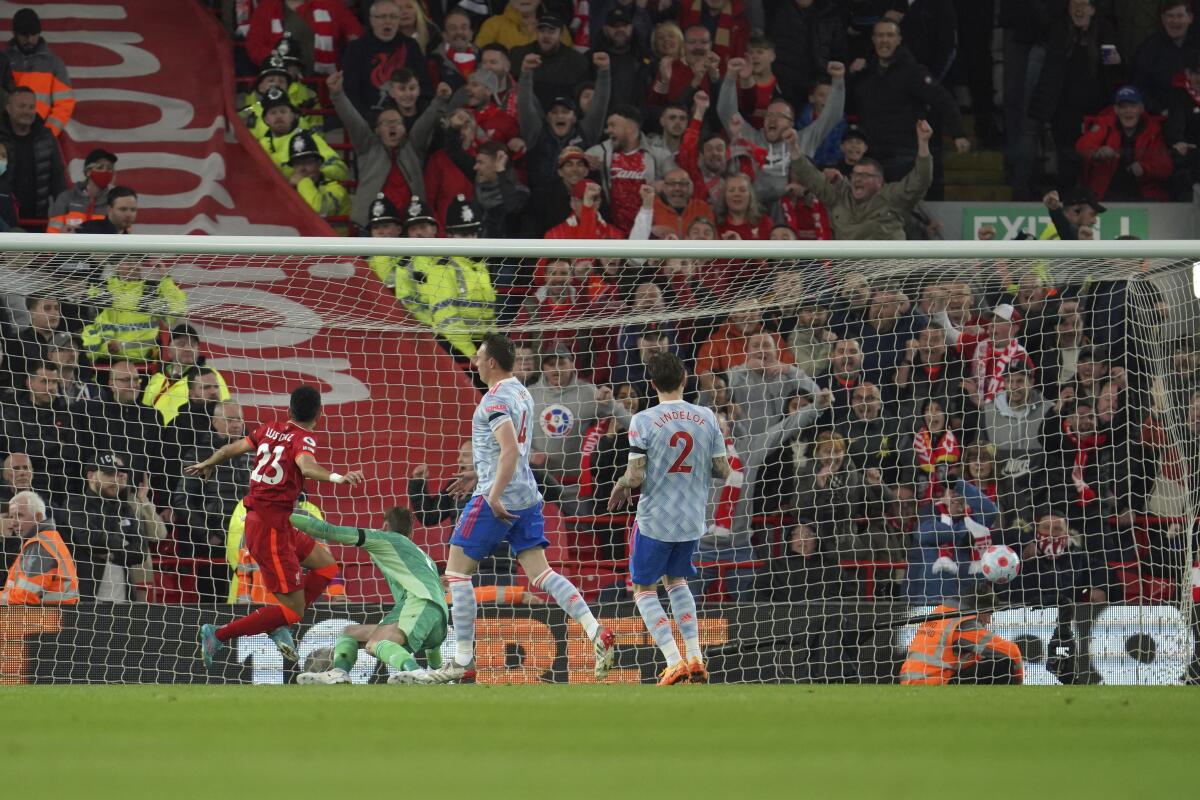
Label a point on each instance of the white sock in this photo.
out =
(569, 599)
(683, 608)
(462, 613)
(659, 625)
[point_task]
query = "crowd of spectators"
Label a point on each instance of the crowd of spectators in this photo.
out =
(904, 423)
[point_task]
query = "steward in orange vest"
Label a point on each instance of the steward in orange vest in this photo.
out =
(42, 574)
(960, 649)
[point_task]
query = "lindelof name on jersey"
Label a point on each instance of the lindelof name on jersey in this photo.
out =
(686, 416)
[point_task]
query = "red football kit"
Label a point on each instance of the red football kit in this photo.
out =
(275, 486)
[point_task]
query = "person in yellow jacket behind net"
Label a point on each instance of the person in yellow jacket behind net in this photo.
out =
(245, 586)
(956, 646)
(323, 195)
(136, 298)
(283, 123)
(457, 290)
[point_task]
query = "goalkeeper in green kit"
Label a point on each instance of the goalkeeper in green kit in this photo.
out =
(418, 620)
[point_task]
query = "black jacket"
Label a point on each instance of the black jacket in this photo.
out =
(559, 74)
(368, 64)
(130, 430)
(99, 529)
(1073, 80)
(48, 435)
(889, 101)
(1156, 63)
(806, 40)
(930, 31)
(203, 508)
(35, 168)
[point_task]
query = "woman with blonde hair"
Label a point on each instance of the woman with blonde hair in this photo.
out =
(415, 24)
(667, 41)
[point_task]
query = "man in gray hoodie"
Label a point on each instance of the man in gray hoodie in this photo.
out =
(1013, 424)
(760, 384)
(566, 407)
(771, 178)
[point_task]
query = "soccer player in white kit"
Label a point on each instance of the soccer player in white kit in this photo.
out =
(675, 451)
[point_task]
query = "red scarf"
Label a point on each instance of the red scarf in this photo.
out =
(979, 541)
(591, 440)
(1085, 446)
(463, 60)
(731, 492)
(808, 221)
(990, 365)
(929, 454)
(1050, 545)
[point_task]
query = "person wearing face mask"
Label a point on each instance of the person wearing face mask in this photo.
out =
(87, 199)
(36, 66)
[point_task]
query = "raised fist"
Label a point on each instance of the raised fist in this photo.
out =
(335, 82)
(924, 131)
(1052, 201)
(444, 91)
(420, 472)
(601, 60)
(700, 104)
(664, 70)
(836, 69)
(591, 194)
(530, 62)
(647, 193)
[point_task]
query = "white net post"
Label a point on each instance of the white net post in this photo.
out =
(891, 412)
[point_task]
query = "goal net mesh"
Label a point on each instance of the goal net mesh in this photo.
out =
(887, 421)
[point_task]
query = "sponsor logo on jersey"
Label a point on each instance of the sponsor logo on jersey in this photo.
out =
(557, 421)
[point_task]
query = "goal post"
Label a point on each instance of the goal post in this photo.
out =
(891, 410)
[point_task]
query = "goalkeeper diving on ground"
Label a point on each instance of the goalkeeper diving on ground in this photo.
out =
(417, 621)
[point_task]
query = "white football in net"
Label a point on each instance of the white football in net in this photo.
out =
(1000, 564)
(319, 660)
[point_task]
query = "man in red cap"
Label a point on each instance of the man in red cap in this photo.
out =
(996, 352)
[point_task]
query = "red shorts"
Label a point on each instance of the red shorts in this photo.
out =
(277, 548)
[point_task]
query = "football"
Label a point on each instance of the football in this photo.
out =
(319, 660)
(1000, 564)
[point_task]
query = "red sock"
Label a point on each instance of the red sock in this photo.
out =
(262, 620)
(315, 582)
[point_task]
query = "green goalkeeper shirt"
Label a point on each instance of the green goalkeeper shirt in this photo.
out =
(408, 571)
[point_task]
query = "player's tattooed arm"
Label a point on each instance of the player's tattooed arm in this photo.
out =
(635, 473)
(720, 467)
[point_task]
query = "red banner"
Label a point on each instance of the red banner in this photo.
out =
(154, 84)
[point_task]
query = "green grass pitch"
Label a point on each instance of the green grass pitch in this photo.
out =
(566, 742)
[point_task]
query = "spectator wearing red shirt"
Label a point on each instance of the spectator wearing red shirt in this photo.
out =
(726, 348)
(757, 85)
(739, 215)
(556, 300)
(585, 221)
(992, 356)
(327, 24)
(697, 69)
(453, 61)
(625, 161)
(725, 21)
(450, 170)
(1124, 154)
(493, 122)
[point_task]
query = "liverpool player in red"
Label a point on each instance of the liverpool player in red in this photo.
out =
(285, 454)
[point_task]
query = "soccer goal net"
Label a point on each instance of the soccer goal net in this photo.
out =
(892, 414)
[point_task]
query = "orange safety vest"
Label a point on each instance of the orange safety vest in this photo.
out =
(500, 595)
(55, 99)
(942, 646)
(62, 223)
(59, 586)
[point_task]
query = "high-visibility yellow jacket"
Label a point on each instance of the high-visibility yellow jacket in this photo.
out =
(333, 168)
(169, 395)
(302, 98)
(132, 317)
(327, 198)
(459, 297)
(403, 276)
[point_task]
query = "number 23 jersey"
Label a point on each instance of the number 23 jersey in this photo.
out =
(276, 480)
(507, 400)
(679, 441)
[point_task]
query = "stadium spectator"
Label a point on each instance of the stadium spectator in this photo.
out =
(35, 66)
(36, 173)
(560, 67)
(31, 342)
(1078, 455)
(585, 221)
(555, 301)
(757, 85)
(890, 94)
(38, 422)
(166, 389)
(642, 19)
(823, 507)
(725, 20)
(777, 143)
(632, 371)
(873, 437)
(1076, 80)
(624, 161)
(321, 29)
(927, 370)
(525, 368)
(75, 385)
(843, 375)
(1057, 361)
(696, 69)
(989, 363)
(1124, 155)
(548, 133)
(118, 423)
(632, 67)
(1092, 370)
(953, 532)
(1163, 55)
(666, 41)
(303, 97)
(203, 508)
(1181, 131)
(87, 200)
(369, 61)
(885, 332)
(435, 509)
(283, 125)
(866, 207)
(275, 74)
(811, 340)
(500, 196)
(44, 571)
(728, 346)
(852, 148)
(1078, 213)
(404, 91)
(517, 25)
(142, 296)
(739, 214)
(389, 159)
(454, 59)
(16, 476)
(760, 384)
(414, 24)
(933, 450)
(566, 406)
(108, 524)
(121, 214)
(676, 207)
(808, 34)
